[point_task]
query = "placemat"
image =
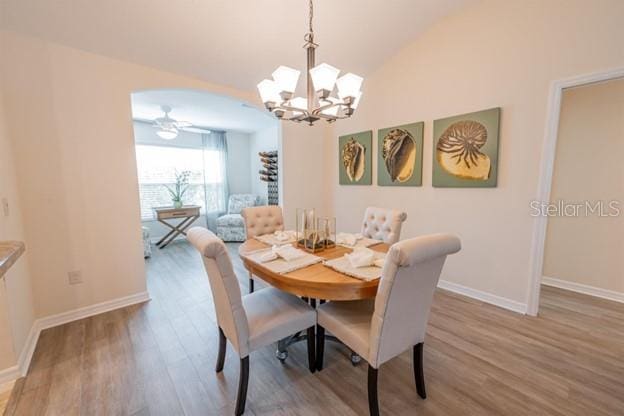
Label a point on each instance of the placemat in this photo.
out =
(282, 266)
(342, 265)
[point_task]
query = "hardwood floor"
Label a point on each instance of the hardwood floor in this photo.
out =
(158, 358)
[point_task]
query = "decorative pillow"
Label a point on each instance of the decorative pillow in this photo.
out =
(240, 201)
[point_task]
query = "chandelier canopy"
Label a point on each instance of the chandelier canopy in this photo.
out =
(278, 93)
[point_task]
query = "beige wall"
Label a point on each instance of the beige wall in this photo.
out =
(588, 166)
(16, 305)
(70, 125)
(495, 53)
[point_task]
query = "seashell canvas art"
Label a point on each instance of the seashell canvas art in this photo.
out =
(399, 157)
(466, 152)
(355, 159)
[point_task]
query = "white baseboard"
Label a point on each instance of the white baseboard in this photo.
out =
(584, 289)
(486, 297)
(13, 373)
(8, 376)
(98, 308)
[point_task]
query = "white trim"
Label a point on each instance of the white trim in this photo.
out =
(486, 297)
(13, 373)
(8, 376)
(584, 289)
(98, 308)
(546, 172)
(23, 361)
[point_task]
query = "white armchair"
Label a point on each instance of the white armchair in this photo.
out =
(396, 320)
(383, 224)
(231, 226)
(252, 321)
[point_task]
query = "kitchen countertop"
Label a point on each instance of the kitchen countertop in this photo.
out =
(10, 251)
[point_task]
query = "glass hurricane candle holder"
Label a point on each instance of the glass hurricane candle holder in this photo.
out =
(308, 236)
(326, 228)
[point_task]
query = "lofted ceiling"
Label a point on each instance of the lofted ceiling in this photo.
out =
(203, 109)
(230, 42)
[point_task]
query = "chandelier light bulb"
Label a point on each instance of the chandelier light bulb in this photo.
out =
(286, 78)
(269, 91)
(324, 77)
(299, 102)
(349, 85)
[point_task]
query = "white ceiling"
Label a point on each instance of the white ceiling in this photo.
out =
(230, 42)
(202, 109)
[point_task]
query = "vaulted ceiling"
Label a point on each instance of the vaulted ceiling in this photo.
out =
(230, 42)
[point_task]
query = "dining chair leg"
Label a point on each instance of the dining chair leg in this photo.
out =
(243, 382)
(419, 374)
(373, 402)
(320, 347)
(311, 350)
(251, 283)
(222, 348)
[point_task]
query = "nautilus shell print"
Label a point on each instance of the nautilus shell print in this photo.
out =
(353, 159)
(459, 150)
(399, 154)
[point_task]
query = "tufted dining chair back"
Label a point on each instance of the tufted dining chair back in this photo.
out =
(226, 293)
(383, 224)
(262, 220)
(409, 278)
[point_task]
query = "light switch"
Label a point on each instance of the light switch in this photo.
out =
(5, 207)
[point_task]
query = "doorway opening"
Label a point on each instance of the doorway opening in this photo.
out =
(578, 239)
(198, 163)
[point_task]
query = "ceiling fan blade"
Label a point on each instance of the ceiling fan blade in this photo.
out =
(182, 124)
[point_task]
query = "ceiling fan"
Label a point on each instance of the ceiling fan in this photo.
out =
(168, 128)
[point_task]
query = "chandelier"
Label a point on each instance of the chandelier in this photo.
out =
(278, 93)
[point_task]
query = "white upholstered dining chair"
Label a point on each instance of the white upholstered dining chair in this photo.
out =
(252, 321)
(396, 320)
(383, 224)
(261, 220)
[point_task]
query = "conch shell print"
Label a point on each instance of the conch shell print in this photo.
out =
(459, 150)
(353, 159)
(399, 154)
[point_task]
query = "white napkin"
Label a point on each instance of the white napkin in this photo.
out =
(380, 262)
(288, 252)
(268, 256)
(283, 235)
(361, 257)
(348, 239)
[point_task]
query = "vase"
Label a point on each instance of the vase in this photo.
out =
(178, 204)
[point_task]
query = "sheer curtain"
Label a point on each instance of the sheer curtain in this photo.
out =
(215, 176)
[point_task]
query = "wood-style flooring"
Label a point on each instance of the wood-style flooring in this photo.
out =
(158, 358)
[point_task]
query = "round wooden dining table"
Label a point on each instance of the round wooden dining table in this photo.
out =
(316, 281)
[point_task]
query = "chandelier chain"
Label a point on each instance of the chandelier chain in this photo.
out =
(309, 37)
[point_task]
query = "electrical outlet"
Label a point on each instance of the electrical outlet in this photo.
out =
(75, 277)
(5, 207)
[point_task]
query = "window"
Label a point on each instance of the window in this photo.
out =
(157, 166)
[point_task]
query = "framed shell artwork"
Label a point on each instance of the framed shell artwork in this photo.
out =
(465, 151)
(400, 155)
(355, 158)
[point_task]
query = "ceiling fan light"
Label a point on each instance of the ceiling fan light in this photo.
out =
(269, 91)
(286, 78)
(349, 85)
(324, 77)
(167, 134)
